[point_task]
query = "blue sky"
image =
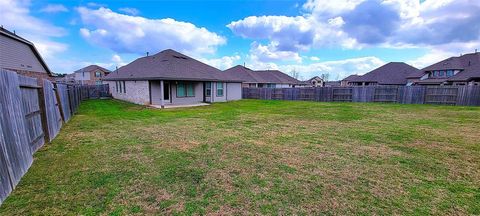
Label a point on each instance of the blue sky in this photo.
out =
(311, 37)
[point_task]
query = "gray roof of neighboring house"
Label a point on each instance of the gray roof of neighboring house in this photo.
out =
(332, 83)
(393, 73)
(92, 68)
(14, 36)
(169, 65)
(469, 63)
(261, 76)
(350, 78)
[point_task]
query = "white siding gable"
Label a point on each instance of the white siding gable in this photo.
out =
(19, 56)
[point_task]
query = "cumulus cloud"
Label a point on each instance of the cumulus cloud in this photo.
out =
(134, 34)
(16, 16)
(436, 25)
(338, 69)
(270, 52)
(222, 63)
(294, 33)
(130, 11)
(54, 8)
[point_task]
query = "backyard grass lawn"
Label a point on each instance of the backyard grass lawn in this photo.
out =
(257, 157)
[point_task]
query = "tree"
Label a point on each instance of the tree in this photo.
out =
(325, 77)
(295, 74)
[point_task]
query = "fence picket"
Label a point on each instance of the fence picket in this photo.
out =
(451, 95)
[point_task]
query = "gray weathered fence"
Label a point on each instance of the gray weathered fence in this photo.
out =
(52, 110)
(31, 114)
(15, 154)
(449, 95)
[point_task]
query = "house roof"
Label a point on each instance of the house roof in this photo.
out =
(468, 63)
(261, 76)
(92, 68)
(14, 36)
(350, 78)
(314, 78)
(169, 65)
(393, 73)
(332, 83)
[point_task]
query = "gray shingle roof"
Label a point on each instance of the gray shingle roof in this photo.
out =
(393, 73)
(92, 68)
(469, 63)
(351, 77)
(261, 76)
(169, 65)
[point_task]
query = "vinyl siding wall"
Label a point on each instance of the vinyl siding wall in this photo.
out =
(19, 56)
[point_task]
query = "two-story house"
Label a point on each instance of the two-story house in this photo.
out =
(460, 70)
(20, 55)
(90, 75)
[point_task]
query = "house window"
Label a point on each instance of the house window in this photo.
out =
(98, 82)
(442, 73)
(98, 74)
(120, 86)
(208, 89)
(219, 89)
(185, 89)
(124, 88)
(116, 86)
(449, 73)
(271, 85)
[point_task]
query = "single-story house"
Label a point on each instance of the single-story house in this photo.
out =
(315, 81)
(263, 78)
(172, 78)
(461, 70)
(20, 55)
(90, 75)
(347, 79)
(332, 84)
(393, 73)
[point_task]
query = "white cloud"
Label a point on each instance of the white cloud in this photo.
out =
(222, 63)
(314, 58)
(337, 70)
(16, 16)
(436, 25)
(130, 11)
(54, 8)
(270, 53)
(134, 34)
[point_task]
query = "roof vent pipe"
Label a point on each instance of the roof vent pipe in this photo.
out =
(147, 53)
(116, 69)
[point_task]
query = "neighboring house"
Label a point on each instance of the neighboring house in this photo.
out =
(315, 81)
(20, 55)
(172, 78)
(263, 78)
(90, 75)
(462, 70)
(332, 84)
(347, 79)
(393, 73)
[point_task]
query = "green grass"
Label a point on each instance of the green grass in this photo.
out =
(250, 157)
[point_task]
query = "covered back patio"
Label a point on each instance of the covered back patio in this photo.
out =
(182, 92)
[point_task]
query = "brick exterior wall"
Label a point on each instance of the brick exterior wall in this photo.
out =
(135, 91)
(39, 75)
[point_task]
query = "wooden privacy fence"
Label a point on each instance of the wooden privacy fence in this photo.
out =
(449, 95)
(31, 114)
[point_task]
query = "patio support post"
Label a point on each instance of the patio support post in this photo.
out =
(162, 95)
